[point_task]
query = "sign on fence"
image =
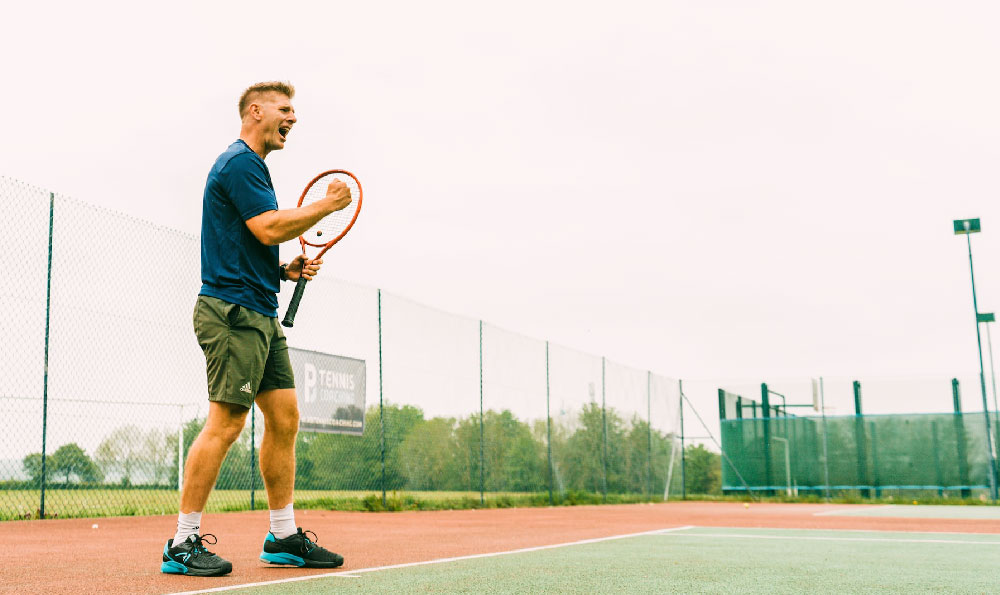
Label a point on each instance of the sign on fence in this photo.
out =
(331, 391)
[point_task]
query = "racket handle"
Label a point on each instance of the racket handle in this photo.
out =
(293, 305)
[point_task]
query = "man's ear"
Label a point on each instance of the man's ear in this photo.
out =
(255, 111)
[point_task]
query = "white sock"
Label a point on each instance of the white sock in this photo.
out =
(283, 522)
(187, 525)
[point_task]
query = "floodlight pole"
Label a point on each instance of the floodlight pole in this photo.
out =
(967, 227)
(993, 376)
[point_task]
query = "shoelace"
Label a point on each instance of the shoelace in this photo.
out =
(199, 548)
(308, 545)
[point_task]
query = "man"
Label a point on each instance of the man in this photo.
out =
(235, 320)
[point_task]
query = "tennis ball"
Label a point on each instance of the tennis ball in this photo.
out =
(746, 505)
(94, 526)
(914, 501)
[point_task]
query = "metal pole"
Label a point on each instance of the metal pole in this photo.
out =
(993, 376)
(482, 433)
(381, 410)
(180, 448)
(45, 373)
(649, 434)
(604, 437)
(993, 382)
(982, 379)
(826, 451)
(253, 451)
(548, 422)
(680, 388)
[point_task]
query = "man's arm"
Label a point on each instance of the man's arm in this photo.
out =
(274, 227)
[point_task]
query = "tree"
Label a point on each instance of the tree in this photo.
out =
(703, 470)
(69, 460)
(581, 459)
(33, 466)
(120, 453)
(428, 456)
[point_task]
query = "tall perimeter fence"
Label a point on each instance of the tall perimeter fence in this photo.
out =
(105, 387)
(774, 446)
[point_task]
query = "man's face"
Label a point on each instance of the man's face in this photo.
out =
(277, 119)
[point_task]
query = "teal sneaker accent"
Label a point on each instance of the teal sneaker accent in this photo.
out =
(299, 550)
(282, 558)
(192, 558)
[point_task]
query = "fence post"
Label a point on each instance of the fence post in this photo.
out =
(482, 433)
(548, 421)
(45, 379)
(765, 404)
(604, 437)
(649, 434)
(959, 425)
(861, 444)
(180, 448)
(680, 388)
(381, 410)
(253, 451)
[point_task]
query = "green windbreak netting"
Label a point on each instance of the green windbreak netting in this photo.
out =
(939, 452)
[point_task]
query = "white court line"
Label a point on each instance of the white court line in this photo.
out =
(840, 511)
(352, 573)
(812, 538)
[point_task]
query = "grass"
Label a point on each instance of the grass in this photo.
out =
(101, 502)
(108, 502)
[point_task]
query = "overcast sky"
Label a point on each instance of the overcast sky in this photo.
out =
(711, 190)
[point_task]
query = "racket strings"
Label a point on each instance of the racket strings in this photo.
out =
(333, 225)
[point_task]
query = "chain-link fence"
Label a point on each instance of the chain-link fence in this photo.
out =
(775, 442)
(106, 387)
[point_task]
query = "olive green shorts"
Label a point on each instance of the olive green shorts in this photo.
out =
(245, 351)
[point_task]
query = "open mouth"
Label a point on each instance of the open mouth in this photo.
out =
(283, 132)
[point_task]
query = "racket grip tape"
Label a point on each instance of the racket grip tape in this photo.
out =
(293, 305)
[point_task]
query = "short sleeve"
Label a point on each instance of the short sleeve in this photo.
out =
(247, 184)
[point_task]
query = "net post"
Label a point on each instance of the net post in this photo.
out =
(45, 378)
(381, 410)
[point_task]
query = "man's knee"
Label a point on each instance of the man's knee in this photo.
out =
(281, 412)
(225, 422)
(286, 423)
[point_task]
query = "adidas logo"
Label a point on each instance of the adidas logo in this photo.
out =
(245, 388)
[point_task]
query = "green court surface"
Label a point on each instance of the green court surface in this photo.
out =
(920, 512)
(698, 560)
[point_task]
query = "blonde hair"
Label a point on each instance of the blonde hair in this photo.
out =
(254, 91)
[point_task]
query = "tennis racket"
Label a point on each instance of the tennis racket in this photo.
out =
(327, 231)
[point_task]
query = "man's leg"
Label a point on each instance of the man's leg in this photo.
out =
(285, 544)
(204, 459)
(185, 553)
(277, 449)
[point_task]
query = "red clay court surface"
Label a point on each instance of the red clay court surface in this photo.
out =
(123, 554)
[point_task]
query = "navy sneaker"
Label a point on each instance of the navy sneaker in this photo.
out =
(190, 557)
(299, 550)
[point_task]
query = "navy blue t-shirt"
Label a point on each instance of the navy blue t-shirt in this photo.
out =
(235, 265)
